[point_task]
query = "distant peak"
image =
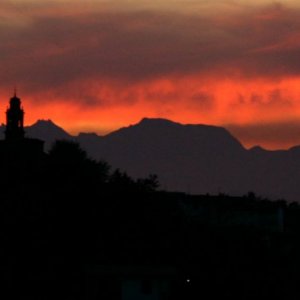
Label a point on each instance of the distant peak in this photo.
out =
(146, 121)
(161, 121)
(257, 149)
(47, 125)
(42, 121)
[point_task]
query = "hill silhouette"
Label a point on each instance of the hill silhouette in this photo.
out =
(197, 159)
(67, 219)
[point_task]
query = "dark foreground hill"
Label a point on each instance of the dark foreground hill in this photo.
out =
(190, 158)
(71, 226)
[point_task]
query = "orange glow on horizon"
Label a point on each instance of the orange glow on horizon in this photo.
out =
(186, 100)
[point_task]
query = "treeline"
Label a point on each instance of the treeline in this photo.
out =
(63, 212)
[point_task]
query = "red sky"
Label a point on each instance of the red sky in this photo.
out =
(96, 65)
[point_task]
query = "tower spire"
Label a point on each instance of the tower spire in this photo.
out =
(14, 119)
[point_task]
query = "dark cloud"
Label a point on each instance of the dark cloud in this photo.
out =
(49, 52)
(202, 100)
(274, 99)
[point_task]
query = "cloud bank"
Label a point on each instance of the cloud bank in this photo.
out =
(225, 63)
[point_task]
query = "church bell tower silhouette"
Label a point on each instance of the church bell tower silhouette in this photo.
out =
(14, 119)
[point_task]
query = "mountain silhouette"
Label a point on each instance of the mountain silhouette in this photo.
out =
(45, 130)
(197, 159)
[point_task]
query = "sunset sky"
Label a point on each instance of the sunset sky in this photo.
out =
(96, 65)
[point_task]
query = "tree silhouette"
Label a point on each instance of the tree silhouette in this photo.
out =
(73, 211)
(149, 184)
(69, 164)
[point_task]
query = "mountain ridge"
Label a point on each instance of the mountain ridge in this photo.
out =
(190, 158)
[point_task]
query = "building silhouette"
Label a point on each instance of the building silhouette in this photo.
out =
(16, 146)
(14, 120)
